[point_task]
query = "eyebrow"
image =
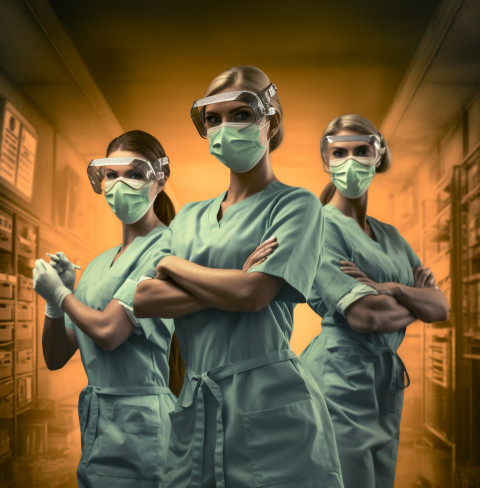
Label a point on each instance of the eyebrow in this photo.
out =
(242, 107)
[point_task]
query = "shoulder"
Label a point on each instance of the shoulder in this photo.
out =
(190, 209)
(278, 192)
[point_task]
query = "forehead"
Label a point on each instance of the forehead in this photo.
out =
(226, 107)
(121, 153)
(348, 144)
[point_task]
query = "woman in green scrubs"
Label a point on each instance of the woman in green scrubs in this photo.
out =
(248, 414)
(369, 286)
(124, 409)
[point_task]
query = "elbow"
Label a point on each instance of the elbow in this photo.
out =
(107, 340)
(140, 308)
(364, 323)
(366, 315)
(251, 301)
(54, 364)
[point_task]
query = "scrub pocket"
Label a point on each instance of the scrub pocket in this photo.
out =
(179, 457)
(286, 445)
(128, 443)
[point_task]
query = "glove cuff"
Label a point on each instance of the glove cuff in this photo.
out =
(59, 294)
(52, 311)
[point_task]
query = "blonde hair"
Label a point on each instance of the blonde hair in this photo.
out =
(252, 79)
(358, 124)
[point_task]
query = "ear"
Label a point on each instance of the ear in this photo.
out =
(161, 185)
(274, 126)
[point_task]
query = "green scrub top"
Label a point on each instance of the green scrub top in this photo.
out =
(360, 374)
(247, 414)
(124, 409)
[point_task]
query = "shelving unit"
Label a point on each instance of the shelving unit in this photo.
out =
(466, 295)
(438, 339)
(18, 248)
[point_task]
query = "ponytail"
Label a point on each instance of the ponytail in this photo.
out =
(327, 193)
(164, 208)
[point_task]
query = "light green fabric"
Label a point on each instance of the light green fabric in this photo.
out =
(124, 410)
(360, 375)
(247, 414)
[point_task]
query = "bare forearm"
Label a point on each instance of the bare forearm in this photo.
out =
(227, 289)
(427, 304)
(165, 299)
(58, 343)
(378, 314)
(108, 328)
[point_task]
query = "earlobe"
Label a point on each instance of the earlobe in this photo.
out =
(274, 126)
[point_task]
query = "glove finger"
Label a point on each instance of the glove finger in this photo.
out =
(63, 258)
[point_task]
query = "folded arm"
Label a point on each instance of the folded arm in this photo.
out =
(424, 300)
(108, 328)
(228, 289)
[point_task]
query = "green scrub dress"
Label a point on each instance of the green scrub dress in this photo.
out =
(248, 415)
(124, 409)
(361, 375)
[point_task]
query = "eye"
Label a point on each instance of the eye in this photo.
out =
(363, 151)
(242, 115)
(338, 152)
(136, 175)
(212, 120)
(110, 175)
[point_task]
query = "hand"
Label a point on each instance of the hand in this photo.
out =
(64, 268)
(260, 254)
(350, 269)
(423, 277)
(48, 284)
(161, 269)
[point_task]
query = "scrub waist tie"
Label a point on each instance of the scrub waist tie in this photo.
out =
(399, 371)
(209, 380)
(88, 408)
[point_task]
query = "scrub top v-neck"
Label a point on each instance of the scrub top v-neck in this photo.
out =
(245, 395)
(360, 374)
(124, 409)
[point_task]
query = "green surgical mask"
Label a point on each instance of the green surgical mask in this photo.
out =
(352, 179)
(128, 204)
(237, 145)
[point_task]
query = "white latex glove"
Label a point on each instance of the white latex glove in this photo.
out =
(49, 285)
(64, 268)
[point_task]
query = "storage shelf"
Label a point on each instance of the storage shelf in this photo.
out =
(438, 435)
(472, 278)
(471, 194)
(24, 409)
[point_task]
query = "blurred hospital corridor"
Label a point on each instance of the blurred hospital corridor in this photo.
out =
(74, 75)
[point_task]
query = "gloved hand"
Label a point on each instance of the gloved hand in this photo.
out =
(64, 268)
(49, 285)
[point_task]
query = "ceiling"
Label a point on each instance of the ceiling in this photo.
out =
(96, 68)
(151, 59)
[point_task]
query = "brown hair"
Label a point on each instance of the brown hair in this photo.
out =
(150, 148)
(252, 79)
(358, 124)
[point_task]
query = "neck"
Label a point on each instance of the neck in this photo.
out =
(355, 208)
(139, 229)
(243, 185)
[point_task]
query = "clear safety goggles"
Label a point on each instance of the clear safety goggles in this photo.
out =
(136, 173)
(365, 149)
(258, 105)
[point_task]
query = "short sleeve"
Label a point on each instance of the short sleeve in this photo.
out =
(297, 222)
(333, 290)
(146, 263)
